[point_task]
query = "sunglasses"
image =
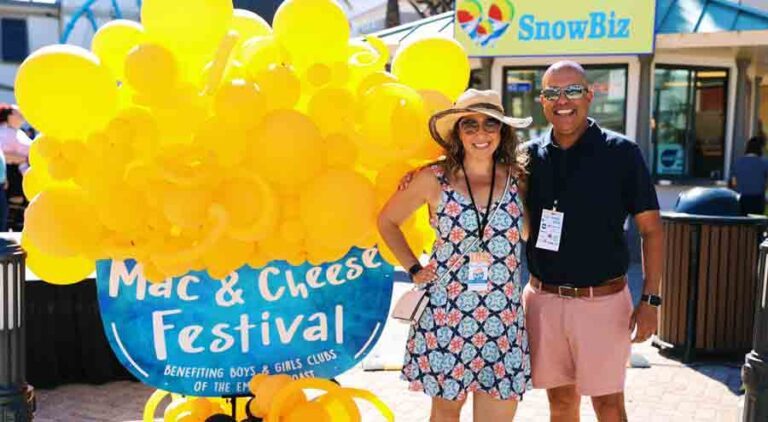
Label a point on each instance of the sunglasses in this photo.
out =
(472, 126)
(572, 92)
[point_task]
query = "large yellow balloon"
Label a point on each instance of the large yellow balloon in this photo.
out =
(333, 109)
(289, 150)
(240, 103)
(191, 27)
(345, 220)
(415, 65)
(113, 41)
(281, 85)
(63, 91)
(309, 38)
(56, 269)
(247, 25)
(54, 221)
(392, 115)
(259, 53)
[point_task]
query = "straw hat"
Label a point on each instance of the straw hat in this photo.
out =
(470, 102)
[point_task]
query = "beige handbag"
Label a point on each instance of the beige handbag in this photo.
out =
(412, 303)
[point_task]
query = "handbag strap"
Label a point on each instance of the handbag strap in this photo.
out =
(477, 239)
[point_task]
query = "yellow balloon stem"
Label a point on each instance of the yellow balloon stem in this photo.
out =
(381, 48)
(223, 54)
(374, 400)
(151, 406)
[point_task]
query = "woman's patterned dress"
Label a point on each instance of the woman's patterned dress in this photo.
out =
(468, 341)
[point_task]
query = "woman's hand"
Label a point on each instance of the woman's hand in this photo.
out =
(425, 275)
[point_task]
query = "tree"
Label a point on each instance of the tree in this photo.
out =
(393, 13)
(431, 7)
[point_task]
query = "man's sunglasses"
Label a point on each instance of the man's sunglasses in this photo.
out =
(470, 126)
(572, 92)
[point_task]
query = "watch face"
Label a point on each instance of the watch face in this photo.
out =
(654, 300)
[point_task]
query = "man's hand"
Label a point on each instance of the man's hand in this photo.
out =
(646, 319)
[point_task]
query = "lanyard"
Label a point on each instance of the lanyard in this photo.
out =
(484, 222)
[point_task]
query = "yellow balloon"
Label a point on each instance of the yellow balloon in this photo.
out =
(309, 39)
(252, 207)
(54, 221)
(348, 218)
(56, 269)
(333, 109)
(113, 41)
(340, 151)
(191, 27)
(151, 69)
(289, 150)
(240, 103)
(392, 116)
(258, 53)
(374, 79)
(226, 256)
(247, 25)
(63, 91)
(36, 179)
(415, 65)
(310, 411)
(280, 85)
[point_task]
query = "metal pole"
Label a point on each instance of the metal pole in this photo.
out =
(16, 397)
(754, 373)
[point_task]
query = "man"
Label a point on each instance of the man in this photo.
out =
(584, 181)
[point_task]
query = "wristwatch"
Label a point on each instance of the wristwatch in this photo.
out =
(653, 300)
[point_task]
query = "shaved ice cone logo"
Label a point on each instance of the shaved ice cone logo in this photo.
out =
(485, 22)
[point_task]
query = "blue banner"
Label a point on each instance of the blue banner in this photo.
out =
(200, 336)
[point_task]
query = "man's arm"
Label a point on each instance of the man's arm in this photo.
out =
(646, 317)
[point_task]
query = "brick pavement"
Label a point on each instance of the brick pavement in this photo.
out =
(667, 391)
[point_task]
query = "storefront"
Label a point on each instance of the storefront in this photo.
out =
(691, 101)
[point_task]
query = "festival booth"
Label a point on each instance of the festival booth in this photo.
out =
(221, 177)
(690, 90)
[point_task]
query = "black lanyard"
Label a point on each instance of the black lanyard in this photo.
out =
(484, 222)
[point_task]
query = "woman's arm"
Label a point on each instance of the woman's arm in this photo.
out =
(400, 206)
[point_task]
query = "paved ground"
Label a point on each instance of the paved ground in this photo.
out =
(667, 391)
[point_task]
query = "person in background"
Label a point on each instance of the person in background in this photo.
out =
(749, 177)
(14, 143)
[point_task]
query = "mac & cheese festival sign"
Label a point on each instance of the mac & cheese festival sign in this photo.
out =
(200, 336)
(555, 27)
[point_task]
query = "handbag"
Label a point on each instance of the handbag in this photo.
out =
(412, 303)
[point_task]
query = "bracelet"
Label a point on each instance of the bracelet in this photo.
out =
(415, 268)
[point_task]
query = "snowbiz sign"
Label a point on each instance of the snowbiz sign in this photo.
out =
(200, 336)
(555, 27)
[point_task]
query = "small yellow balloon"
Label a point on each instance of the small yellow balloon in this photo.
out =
(258, 53)
(415, 65)
(241, 103)
(113, 41)
(63, 91)
(340, 151)
(333, 109)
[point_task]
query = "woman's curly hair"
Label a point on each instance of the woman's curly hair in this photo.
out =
(508, 152)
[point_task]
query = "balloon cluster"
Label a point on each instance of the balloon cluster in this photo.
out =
(203, 138)
(275, 398)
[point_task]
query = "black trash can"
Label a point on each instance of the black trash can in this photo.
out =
(16, 397)
(709, 274)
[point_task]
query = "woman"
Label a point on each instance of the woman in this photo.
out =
(750, 174)
(471, 337)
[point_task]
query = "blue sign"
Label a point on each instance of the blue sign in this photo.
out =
(200, 336)
(670, 159)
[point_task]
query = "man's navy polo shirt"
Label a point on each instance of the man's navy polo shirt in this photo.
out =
(597, 182)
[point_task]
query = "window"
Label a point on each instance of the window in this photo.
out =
(15, 43)
(689, 122)
(608, 82)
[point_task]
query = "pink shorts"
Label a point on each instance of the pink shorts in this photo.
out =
(583, 342)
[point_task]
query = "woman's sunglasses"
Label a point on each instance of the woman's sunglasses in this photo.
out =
(572, 92)
(470, 126)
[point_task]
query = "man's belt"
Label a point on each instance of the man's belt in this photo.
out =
(609, 287)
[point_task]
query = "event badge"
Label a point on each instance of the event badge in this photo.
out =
(478, 274)
(550, 229)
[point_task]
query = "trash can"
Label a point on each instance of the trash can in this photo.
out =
(16, 397)
(709, 274)
(754, 373)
